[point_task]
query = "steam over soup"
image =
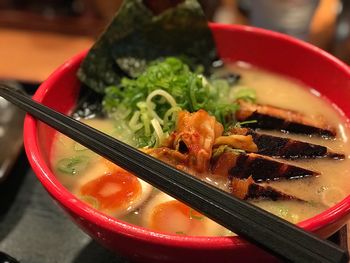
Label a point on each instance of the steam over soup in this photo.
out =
(262, 137)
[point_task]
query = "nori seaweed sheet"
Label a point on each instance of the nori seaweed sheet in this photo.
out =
(136, 36)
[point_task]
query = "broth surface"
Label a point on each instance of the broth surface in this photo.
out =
(332, 185)
(321, 192)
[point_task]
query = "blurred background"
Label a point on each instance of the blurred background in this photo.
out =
(36, 36)
(47, 32)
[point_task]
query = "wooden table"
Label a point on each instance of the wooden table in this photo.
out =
(31, 56)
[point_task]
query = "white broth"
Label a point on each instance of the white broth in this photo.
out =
(333, 184)
(320, 192)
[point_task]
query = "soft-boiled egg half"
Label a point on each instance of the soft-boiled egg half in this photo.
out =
(165, 214)
(111, 189)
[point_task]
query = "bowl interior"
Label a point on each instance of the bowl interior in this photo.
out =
(265, 49)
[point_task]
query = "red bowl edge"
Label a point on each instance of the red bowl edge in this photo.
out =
(57, 191)
(53, 186)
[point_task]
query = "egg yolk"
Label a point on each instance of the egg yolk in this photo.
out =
(177, 218)
(113, 191)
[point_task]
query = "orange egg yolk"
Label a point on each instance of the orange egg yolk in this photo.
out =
(177, 218)
(113, 191)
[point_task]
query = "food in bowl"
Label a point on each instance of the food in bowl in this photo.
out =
(267, 50)
(295, 173)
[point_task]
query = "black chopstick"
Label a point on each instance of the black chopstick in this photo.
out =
(256, 225)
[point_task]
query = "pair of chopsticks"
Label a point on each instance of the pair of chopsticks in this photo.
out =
(267, 231)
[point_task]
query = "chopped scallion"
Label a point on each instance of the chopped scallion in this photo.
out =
(242, 123)
(73, 165)
(164, 88)
(194, 216)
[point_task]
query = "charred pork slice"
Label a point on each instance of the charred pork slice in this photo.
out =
(269, 117)
(246, 189)
(260, 168)
(285, 147)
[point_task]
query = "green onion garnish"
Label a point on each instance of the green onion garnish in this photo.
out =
(240, 124)
(73, 165)
(193, 216)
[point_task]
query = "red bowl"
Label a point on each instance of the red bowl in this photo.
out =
(272, 51)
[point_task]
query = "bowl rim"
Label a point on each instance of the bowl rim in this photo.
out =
(55, 189)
